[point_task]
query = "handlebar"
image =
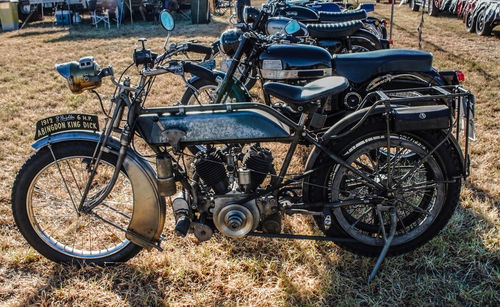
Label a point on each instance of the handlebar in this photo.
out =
(178, 67)
(199, 71)
(198, 48)
(186, 47)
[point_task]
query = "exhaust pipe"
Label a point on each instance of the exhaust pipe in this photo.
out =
(182, 214)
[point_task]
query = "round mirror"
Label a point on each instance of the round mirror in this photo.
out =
(292, 27)
(167, 21)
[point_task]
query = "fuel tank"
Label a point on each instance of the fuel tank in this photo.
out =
(277, 24)
(299, 13)
(295, 62)
(213, 127)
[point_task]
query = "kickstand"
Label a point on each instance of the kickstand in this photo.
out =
(388, 241)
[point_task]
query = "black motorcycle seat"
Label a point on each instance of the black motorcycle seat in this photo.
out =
(342, 16)
(362, 66)
(334, 30)
(297, 96)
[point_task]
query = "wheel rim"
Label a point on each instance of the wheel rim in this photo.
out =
(469, 21)
(417, 204)
(206, 95)
(359, 48)
(52, 214)
(480, 22)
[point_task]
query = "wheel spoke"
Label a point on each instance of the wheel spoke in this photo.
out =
(362, 215)
(418, 198)
(401, 222)
(52, 206)
(416, 208)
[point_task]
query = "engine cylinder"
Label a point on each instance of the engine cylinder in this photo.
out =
(260, 161)
(212, 171)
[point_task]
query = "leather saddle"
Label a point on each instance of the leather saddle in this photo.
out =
(334, 30)
(342, 16)
(362, 66)
(303, 97)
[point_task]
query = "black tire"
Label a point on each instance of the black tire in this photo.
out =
(433, 10)
(443, 163)
(414, 6)
(53, 242)
(249, 82)
(362, 42)
(481, 27)
(207, 93)
(470, 22)
(200, 11)
(252, 79)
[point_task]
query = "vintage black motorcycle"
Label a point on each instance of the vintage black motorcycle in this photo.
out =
(383, 180)
(275, 58)
(309, 15)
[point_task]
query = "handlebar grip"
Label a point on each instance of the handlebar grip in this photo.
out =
(199, 71)
(192, 47)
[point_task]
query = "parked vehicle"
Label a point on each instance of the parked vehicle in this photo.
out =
(434, 7)
(483, 16)
(461, 8)
(268, 60)
(336, 38)
(310, 15)
(382, 181)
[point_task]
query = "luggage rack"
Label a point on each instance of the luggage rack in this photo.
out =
(461, 102)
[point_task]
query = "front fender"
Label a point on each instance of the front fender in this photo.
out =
(148, 214)
(238, 90)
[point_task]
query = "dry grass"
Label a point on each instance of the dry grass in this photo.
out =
(459, 267)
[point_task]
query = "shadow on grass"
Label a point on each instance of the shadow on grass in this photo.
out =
(129, 283)
(456, 262)
(138, 29)
(35, 33)
(482, 196)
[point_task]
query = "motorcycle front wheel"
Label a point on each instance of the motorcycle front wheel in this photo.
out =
(423, 202)
(204, 92)
(45, 197)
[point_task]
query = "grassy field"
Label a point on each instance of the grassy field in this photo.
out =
(459, 267)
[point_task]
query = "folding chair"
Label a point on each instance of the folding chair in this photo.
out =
(98, 13)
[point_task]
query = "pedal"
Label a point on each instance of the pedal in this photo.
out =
(202, 232)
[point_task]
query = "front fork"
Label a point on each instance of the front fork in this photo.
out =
(223, 92)
(125, 138)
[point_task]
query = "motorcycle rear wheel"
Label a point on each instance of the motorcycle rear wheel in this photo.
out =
(423, 207)
(45, 196)
(362, 43)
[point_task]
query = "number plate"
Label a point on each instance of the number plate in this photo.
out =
(65, 122)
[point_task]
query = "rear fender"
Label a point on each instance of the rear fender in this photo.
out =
(367, 36)
(402, 80)
(449, 77)
(148, 214)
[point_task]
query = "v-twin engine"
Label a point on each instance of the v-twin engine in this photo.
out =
(227, 176)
